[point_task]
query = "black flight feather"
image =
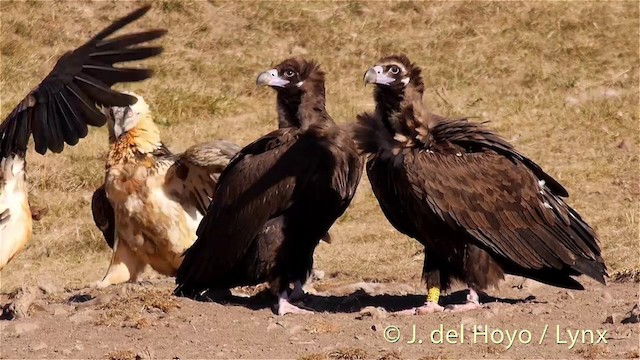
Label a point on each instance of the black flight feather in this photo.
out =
(59, 109)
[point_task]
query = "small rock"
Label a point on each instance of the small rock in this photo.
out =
(273, 326)
(633, 317)
(358, 337)
(627, 145)
(607, 296)
(294, 338)
(37, 347)
(59, 310)
(97, 301)
(48, 287)
(38, 306)
(80, 318)
(23, 328)
(294, 330)
(372, 311)
(612, 319)
(65, 352)
(539, 310)
(376, 327)
(78, 347)
(567, 295)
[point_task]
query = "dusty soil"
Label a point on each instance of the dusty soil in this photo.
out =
(144, 321)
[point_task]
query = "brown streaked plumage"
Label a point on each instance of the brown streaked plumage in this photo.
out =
(278, 197)
(152, 200)
(59, 110)
(480, 208)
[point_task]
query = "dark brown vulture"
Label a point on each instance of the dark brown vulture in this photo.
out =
(59, 110)
(278, 197)
(480, 208)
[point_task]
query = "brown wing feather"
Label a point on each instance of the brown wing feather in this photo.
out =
(502, 206)
(474, 137)
(194, 175)
(257, 185)
(59, 109)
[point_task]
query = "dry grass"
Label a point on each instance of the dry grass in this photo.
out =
(593, 351)
(345, 354)
(560, 80)
(122, 355)
(133, 310)
(348, 354)
(322, 327)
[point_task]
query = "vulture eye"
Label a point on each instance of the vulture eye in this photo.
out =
(288, 73)
(394, 70)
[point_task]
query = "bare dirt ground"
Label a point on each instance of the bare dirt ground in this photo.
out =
(355, 321)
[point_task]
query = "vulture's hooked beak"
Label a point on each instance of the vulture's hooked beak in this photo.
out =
(119, 115)
(271, 78)
(375, 75)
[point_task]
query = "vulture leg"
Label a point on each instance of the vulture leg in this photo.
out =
(125, 266)
(473, 302)
(297, 293)
(432, 278)
(285, 307)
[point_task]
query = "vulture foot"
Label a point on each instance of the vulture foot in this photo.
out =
(427, 308)
(473, 302)
(463, 307)
(285, 307)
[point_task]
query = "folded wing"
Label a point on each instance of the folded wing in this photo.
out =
(103, 215)
(504, 201)
(194, 175)
(258, 184)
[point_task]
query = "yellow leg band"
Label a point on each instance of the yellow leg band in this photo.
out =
(433, 295)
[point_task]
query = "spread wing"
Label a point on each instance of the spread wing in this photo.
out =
(59, 109)
(194, 175)
(258, 184)
(503, 202)
(103, 215)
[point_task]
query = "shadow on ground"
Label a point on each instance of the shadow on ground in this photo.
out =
(350, 303)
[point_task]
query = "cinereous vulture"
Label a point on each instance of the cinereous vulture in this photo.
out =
(278, 197)
(480, 208)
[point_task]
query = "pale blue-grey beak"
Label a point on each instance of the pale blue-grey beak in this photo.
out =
(271, 78)
(375, 75)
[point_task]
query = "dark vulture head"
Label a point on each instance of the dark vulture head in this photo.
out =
(299, 83)
(294, 76)
(396, 79)
(395, 72)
